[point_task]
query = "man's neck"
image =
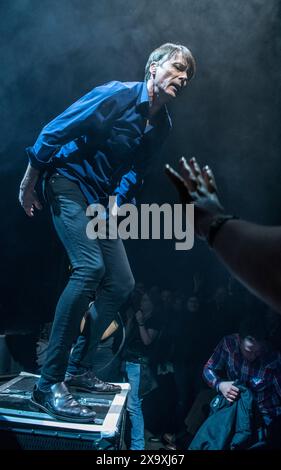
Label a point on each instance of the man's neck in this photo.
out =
(156, 101)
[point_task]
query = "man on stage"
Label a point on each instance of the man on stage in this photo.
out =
(100, 146)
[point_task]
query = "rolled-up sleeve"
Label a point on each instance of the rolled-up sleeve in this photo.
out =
(216, 363)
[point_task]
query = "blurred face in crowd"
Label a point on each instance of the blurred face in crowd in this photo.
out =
(250, 348)
(140, 288)
(146, 305)
(178, 302)
(166, 296)
(154, 290)
(220, 295)
(192, 304)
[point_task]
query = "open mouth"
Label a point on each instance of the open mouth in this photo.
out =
(176, 87)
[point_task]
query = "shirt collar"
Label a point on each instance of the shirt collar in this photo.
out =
(143, 105)
(143, 99)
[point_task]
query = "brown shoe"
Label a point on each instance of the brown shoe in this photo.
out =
(88, 382)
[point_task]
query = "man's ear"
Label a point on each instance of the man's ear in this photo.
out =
(152, 69)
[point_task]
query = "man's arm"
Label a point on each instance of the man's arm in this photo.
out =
(277, 376)
(251, 252)
(147, 334)
(92, 113)
(27, 195)
(217, 362)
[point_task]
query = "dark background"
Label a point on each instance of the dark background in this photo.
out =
(53, 52)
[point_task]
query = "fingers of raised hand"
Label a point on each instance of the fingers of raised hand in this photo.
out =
(173, 175)
(209, 179)
(188, 175)
(195, 167)
(180, 184)
(196, 170)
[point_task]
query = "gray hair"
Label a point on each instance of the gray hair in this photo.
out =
(165, 52)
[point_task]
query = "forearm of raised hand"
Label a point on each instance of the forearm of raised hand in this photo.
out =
(253, 254)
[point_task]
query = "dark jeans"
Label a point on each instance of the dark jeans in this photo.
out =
(107, 365)
(96, 264)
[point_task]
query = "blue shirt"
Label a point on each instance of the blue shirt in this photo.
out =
(103, 142)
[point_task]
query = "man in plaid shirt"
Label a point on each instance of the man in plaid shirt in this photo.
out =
(248, 358)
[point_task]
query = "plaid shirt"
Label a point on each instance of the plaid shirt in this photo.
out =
(262, 376)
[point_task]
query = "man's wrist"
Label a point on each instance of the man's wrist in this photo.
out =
(218, 386)
(28, 184)
(30, 178)
(215, 226)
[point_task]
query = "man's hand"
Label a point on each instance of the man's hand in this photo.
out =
(198, 187)
(29, 200)
(27, 196)
(229, 391)
(139, 317)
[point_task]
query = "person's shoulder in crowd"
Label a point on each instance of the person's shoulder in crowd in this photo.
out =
(230, 342)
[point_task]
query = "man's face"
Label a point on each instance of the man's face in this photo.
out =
(166, 296)
(140, 287)
(178, 304)
(146, 304)
(170, 76)
(250, 348)
(192, 304)
(220, 295)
